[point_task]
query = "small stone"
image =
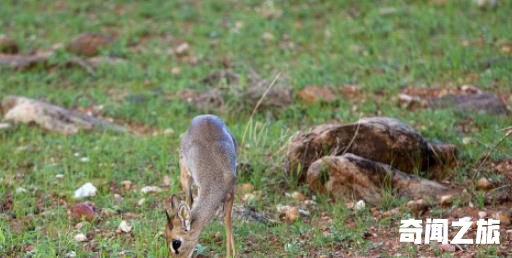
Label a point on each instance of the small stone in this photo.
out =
(486, 4)
(150, 189)
(246, 188)
(314, 94)
(79, 225)
(20, 190)
(447, 248)
(141, 202)
(70, 254)
(127, 184)
(360, 205)
(466, 140)
(118, 197)
(83, 210)
(483, 184)
(446, 199)
(249, 197)
(175, 70)
(4, 126)
(182, 49)
(59, 176)
(482, 214)
(125, 227)
(267, 36)
(80, 237)
(168, 131)
(86, 190)
(509, 234)
(503, 216)
(298, 196)
(166, 181)
(84, 159)
(88, 44)
(292, 213)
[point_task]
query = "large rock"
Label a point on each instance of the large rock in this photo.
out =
(351, 177)
(380, 139)
(51, 117)
(481, 102)
(88, 44)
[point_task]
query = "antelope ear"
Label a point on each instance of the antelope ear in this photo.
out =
(184, 216)
(175, 203)
(169, 218)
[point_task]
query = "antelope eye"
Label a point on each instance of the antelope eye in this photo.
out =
(176, 244)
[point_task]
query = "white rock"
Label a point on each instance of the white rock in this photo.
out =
(482, 214)
(141, 201)
(59, 176)
(360, 205)
(80, 237)
(150, 189)
(86, 190)
(4, 126)
(70, 254)
(84, 159)
(21, 190)
(125, 227)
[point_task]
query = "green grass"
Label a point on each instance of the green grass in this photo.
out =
(334, 43)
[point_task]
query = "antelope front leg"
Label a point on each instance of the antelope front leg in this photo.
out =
(228, 221)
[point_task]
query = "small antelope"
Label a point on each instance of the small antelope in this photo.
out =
(207, 162)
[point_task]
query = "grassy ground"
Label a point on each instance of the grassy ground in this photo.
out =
(382, 46)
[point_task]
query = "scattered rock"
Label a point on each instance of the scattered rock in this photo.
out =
(23, 62)
(50, 117)
(150, 189)
(290, 213)
(503, 217)
(417, 206)
(446, 199)
(86, 190)
(509, 234)
(478, 102)
(483, 184)
(298, 196)
(80, 237)
(83, 210)
(486, 4)
(59, 176)
(70, 254)
(8, 45)
(350, 176)
(482, 214)
(360, 205)
(246, 188)
(447, 247)
(260, 93)
(166, 181)
(249, 197)
(88, 44)
(21, 190)
(127, 184)
(312, 94)
(125, 227)
(466, 99)
(381, 139)
(210, 100)
(141, 202)
(4, 126)
(411, 102)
